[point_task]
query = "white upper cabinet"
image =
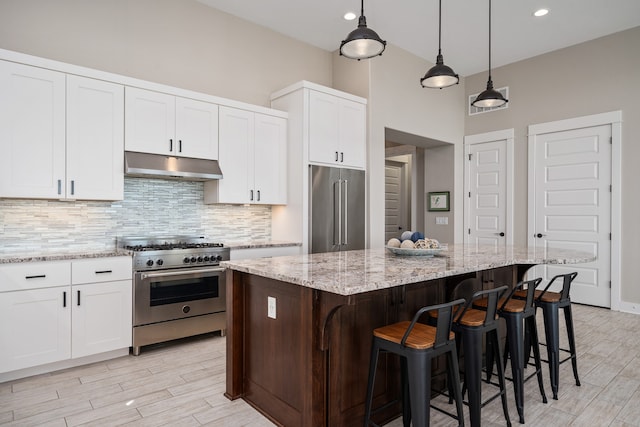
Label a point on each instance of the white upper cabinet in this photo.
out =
(95, 139)
(252, 159)
(270, 159)
(32, 132)
(40, 160)
(337, 131)
(165, 124)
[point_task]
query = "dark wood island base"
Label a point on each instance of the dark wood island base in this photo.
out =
(308, 366)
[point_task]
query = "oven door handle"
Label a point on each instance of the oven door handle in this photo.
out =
(181, 272)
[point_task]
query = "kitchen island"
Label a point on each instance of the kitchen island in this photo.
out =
(299, 327)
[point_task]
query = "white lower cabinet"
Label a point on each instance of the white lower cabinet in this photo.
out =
(60, 310)
(101, 317)
(35, 327)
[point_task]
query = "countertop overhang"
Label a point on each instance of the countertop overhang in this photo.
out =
(354, 272)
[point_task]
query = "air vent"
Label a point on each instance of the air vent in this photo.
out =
(478, 110)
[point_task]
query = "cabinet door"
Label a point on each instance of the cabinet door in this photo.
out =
(353, 134)
(196, 129)
(324, 132)
(35, 327)
(101, 317)
(236, 141)
(32, 132)
(95, 139)
(270, 159)
(150, 122)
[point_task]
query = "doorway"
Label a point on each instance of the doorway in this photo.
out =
(397, 193)
(572, 202)
(488, 187)
(431, 168)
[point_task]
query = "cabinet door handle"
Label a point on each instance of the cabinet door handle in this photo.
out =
(341, 157)
(64, 299)
(59, 186)
(179, 146)
(37, 276)
(73, 187)
(78, 298)
(258, 195)
(251, 195)
(170, 145)
(336, 156)
(104, 271)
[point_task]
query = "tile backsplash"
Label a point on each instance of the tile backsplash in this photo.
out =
(151, 207)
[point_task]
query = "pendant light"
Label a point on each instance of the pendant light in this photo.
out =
(439, 76)
(363, 42)
(490, 97)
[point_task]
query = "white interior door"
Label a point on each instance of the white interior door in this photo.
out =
(571, 207)
(395, 203)
(488, 189)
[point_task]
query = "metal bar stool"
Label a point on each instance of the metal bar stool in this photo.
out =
(520, 317)
(551, 303)
(470, 327)
(417, 344)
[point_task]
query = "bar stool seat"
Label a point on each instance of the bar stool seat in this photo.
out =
(551, 302)
(417, 344)
(519, 316)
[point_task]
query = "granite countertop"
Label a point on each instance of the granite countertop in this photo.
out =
(61, 256)
(354, 272)
(260, 244)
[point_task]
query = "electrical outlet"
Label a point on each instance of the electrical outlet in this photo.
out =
(442, 220)
(271, 307)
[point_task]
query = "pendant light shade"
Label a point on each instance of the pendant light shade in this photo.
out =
(363, 42)
(490, 97)
(440, 75)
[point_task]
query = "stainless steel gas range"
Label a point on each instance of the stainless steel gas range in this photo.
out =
(179, 288)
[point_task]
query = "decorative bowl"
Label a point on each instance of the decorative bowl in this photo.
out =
(415, 252)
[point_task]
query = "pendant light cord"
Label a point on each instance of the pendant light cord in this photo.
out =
(490, 40)
(440, 28)
(361, 7)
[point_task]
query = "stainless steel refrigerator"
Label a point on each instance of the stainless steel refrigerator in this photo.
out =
(337, 208)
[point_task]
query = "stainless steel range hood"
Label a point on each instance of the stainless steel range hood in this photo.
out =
(168, 167)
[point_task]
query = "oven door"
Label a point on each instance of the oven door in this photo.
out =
(175, 294)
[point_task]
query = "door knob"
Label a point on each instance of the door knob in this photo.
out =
(501, 234)
(539, 235)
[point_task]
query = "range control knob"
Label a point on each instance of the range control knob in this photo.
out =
(193, 259)
(206, 258)
(149, 263)
(160, 262)
(199, 259)
(219, 258)
(186, 260)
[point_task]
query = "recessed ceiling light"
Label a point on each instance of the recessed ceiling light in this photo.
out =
(540, 12)
(350, 16)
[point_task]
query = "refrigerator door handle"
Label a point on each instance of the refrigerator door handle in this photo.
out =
(337, 213)
(345, 215)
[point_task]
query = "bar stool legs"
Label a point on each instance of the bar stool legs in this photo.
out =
(552, 335)
(551, 303)
(516, 349)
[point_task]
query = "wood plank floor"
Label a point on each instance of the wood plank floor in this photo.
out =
(181, 384)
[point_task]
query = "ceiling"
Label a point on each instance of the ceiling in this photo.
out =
(413, 25)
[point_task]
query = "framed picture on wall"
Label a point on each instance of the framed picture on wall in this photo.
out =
(438, 201)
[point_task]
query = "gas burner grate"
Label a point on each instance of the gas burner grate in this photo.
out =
(170, 246)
